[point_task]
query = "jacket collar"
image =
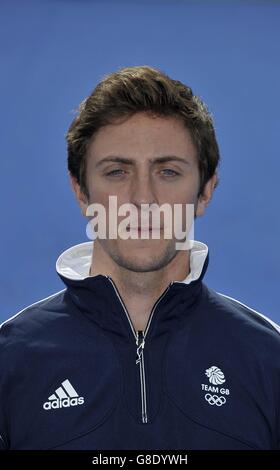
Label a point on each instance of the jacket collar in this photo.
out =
(74, 263)
(97, 298)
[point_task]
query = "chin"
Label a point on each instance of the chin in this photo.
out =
(139, 265)
(144, 257)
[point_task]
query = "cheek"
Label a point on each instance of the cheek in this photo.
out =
(98, 191)
(107, 198)
(189, 188)
(183, 192)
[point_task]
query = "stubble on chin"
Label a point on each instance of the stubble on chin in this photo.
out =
(154, 260)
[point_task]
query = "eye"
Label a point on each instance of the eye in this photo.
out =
(170, 172)
(117, 172)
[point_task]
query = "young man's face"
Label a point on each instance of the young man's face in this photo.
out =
(144, 179)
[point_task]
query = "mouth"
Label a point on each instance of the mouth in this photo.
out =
(143, 229)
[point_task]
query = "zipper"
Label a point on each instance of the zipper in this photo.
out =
(140, 337)
(140, 361)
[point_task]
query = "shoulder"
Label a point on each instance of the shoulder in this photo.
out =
(26, 323)
(235, 319)
(254, 317)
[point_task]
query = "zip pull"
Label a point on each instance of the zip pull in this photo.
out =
(140, 343)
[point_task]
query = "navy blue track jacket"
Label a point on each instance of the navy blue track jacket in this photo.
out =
(74, 373)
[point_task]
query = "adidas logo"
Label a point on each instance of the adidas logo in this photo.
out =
(63, 397)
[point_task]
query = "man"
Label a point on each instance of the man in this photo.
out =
(137, 352)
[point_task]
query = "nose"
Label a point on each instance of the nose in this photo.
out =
(142, 191)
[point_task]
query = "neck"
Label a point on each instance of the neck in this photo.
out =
(140, 290)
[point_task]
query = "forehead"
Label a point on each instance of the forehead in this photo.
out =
(142, 135)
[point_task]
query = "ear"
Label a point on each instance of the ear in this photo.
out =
(80, 195)
(206, 195)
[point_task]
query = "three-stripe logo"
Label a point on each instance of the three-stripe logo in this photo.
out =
(63, 397)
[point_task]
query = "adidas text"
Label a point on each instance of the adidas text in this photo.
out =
(65, 403)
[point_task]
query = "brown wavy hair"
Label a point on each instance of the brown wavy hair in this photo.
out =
(141, 89)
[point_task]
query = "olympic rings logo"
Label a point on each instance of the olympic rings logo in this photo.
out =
(215, 399)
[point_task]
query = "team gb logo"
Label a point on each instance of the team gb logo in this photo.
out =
(215, 375)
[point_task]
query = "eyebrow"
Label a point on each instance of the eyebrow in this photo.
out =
(128, 161)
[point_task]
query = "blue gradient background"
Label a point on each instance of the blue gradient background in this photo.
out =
(53, 53)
